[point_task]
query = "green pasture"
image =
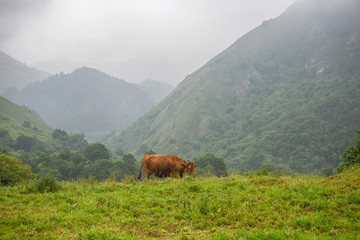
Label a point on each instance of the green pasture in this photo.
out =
(236, 207)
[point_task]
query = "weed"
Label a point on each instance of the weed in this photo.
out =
(129, 179)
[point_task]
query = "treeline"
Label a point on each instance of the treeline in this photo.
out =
(68, 157)
(95, 161)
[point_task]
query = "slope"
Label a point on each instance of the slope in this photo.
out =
(16, 74)
(86, 101)
(13, 117)
(284, 94)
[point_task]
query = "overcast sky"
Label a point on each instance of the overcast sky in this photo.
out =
(134, 40)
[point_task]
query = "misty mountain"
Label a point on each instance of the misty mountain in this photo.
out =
(285, 94)
(157, 90)
(16, 74)
(85, 101)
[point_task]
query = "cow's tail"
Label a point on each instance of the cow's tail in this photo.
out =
(139, 175)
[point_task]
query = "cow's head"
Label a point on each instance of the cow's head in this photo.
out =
(190, 168)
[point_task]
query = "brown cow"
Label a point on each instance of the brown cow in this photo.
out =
(166, 166)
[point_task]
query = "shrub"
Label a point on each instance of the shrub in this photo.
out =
(351, 155)
(209, 165)
(13, 171)
(45, 184)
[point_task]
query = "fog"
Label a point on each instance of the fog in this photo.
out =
(163, 40)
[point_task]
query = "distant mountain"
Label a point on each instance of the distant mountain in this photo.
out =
(16, 74)
(85, 101)
(285, 94)
(157, 90)
(17, 120)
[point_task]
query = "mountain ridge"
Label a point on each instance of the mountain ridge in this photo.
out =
(16, 74)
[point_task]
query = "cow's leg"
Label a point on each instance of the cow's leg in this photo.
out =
(147, 174)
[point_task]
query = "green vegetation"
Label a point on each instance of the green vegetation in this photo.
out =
(18, 121)
(234, 207)
(43, 185)
(56, 153)
(351, 155)
(13, 171)
(210, 165)
(286, 94)
(68, 157)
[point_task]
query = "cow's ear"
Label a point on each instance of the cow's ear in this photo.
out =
(193, 160)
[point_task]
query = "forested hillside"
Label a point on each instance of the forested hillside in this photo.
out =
(85, 101)
(285, 94)
(16, 74)
(48, 151)
(21, 120)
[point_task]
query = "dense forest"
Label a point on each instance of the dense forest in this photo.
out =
(69, 157)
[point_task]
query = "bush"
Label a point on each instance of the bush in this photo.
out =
(13, 171)
(209, 165)
(5, 179)
(45, 184)
(351, 155)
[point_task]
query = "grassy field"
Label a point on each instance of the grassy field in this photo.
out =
(235, 207)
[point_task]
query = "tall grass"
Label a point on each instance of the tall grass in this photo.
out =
(234, 207)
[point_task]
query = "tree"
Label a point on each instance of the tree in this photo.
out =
(129, 159)
(351, 155)
(24, 143)
(96, 151)
(59, 134)
(26, 124)
(5, 140)
(150, 152)
(101, 169)
(210, 164)
(13, 171)
(77, 141)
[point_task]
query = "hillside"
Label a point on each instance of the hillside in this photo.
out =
(16, 74)
(86, 101)
(235, 207)
(286, 94)
(13, 117)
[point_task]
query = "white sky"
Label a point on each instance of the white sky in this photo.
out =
(134, 40)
